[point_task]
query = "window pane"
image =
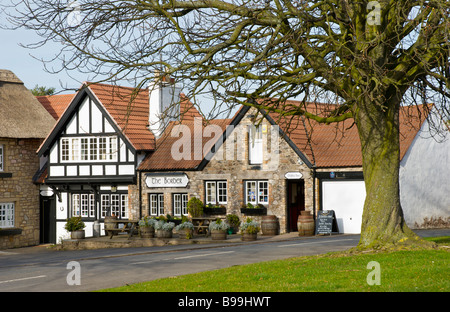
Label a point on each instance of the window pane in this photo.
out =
(85, 149)
(104, 204)
(210, 192)
(6, 215)
(91, 205)
(263, 192)
(84, 205)
(184, 201)
(1, 157)
(65, 150)
(75, 149)
(113, 148)
(161, 204)
(177, 204)
(76, 204)
(115, 205)
(93, 149)
(153, 204)
(251, 192)
(222, 192)
(124, 206)
(102, 149)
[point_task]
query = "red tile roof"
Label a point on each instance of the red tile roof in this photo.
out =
(55, 104)
(163, 158)
(129, 109)
(338, 144)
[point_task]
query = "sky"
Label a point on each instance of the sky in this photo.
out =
(23, 63)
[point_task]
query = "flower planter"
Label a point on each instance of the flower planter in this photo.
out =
(246, 237)
(147, 231)
(163, 234)
(80, 234)
(218, 234)
(186, 233)
(214, 211)
(254, 211)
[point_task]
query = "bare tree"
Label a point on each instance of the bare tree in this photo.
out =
(365, 58)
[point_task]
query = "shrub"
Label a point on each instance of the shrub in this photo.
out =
(74, 224)
(218, 225)
(195, 207)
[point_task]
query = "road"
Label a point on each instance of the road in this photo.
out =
(41, 270)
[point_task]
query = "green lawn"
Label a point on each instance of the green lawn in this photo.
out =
(402, 271)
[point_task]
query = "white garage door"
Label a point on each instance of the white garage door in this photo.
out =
(346, 198)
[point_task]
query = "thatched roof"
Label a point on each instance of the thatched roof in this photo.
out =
(21, 114)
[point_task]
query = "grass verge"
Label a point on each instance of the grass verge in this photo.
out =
(400, 271)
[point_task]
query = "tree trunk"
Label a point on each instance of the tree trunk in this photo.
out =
(383, 224)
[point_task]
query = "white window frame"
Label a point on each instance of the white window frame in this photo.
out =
(118, 203)
(255, 145)
(83, 204)
(156, 204)
(257, 192)
(89, 149)
(216, 192)
(2, 157)
(180, 204)
(7, 214)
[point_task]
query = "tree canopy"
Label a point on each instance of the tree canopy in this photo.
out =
(365, 58)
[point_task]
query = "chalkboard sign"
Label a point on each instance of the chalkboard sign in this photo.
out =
(326, 222)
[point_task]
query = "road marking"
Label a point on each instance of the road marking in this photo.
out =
(22, 279)
(184, 257)
(7, 253)
(204, 255)
(319, 242)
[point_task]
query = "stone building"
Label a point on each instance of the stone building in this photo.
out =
(154, 166)
(24, 123)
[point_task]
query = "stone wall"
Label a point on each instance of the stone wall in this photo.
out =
(21, 161)
(279, 159)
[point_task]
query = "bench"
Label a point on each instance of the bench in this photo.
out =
(129, 230)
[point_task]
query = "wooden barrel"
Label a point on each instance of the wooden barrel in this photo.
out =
(163, 233)
(110, 225)
(269, 225)
(305, 224)
(218, 235)
(147, 231)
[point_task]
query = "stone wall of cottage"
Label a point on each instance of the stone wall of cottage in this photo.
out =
(280, 159)
(21, 161)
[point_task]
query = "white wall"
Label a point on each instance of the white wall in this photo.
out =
(424, 179)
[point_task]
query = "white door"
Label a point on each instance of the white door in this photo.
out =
(346, 198)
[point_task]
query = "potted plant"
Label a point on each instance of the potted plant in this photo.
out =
(195, 207)
(185, 230)
(233, 221)
(249, 230)
(76, 227)
(147, 227)
(218, 229)
(164, 229)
